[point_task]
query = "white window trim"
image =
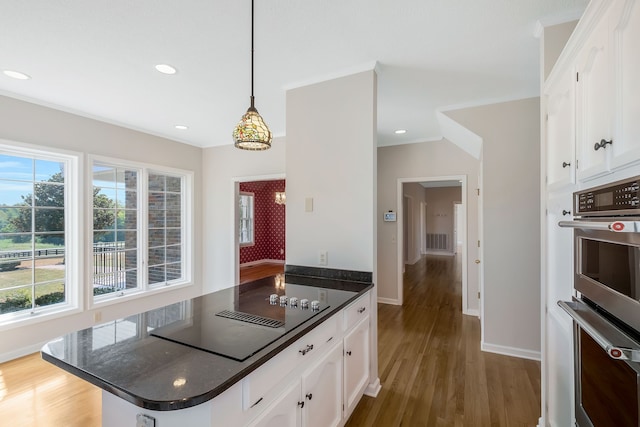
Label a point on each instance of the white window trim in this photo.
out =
(253, 221)
(144, 289)
(74, 265)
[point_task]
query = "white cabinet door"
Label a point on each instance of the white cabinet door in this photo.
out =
(559, 369)
(356, 365)
(593, 103)
(322, 391)
(625, 33)
(560, 132)
(284, 412)
(559, 280)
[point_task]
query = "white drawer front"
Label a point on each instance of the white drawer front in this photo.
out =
(358, 310)
(285, 366)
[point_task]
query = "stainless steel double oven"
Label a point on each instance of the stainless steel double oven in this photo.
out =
(606, 308)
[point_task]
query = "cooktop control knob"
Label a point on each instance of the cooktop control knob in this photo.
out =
(283, 300)
(315, 305)
(304, 303)
(273, 299)
(293, 302)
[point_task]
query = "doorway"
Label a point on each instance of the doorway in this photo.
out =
(259, 227)
(434, 237)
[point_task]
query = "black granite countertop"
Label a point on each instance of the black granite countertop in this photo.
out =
(124, 358)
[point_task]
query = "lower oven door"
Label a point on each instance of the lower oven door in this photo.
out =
(607, 372)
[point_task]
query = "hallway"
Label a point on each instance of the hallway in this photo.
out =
(432, 370)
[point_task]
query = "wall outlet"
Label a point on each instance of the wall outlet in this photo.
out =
(322, 257)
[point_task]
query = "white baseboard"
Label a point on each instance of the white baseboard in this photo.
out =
(540, 422)
(471, 312)
(388, 301)
(443, 253)
(24, 351)
(373, 388)
(510, 351)
(262, 261)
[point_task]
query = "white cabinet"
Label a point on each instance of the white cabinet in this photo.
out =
(284, 411)
(608, 92)
(323, 375)
(560, 132)
(356, 365)
(625, 34)
(314, 400)
(593, 103)
(322, 392)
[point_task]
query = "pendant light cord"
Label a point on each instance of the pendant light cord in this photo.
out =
(252, 105)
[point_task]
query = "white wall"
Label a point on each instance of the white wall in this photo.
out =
(221, 167)
(331, 158)
(511, 217)
(24, 122)
(412, 237)
(440, 215)
(422, 160)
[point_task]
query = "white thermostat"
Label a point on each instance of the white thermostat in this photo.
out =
(390, 216)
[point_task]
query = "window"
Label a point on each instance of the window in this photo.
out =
(246, 219)
(37, 232)
(139, 215)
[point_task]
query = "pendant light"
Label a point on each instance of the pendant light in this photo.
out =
(252, 133)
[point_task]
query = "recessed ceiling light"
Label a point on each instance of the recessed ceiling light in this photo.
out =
(166, 69)
(16, 75)
(401, 131)
(182, 127)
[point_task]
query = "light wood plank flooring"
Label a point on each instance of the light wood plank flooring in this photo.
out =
(431, 367)
(258, 271)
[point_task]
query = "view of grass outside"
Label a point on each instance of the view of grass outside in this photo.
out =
(32, 237)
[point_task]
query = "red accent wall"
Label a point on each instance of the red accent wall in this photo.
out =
(269, 222)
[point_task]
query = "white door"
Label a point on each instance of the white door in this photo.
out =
(322, 391)
(356, 365)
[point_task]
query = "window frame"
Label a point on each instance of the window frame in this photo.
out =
(143, 288)
(73, 266)
(252, 219)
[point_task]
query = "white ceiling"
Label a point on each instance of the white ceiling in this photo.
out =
(97, 58)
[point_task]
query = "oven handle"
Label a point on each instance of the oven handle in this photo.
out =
(616, 226)
(602, 331)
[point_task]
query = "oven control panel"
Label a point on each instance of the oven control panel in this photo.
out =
(618, 198)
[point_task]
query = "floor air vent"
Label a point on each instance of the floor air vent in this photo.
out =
(251, 318)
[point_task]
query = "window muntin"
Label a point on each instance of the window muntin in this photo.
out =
(139, 228)
(33, 214)
(165, 245)
(246, 219)
(115, 228)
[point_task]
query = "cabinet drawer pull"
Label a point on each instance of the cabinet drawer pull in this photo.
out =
(349, 353)
(309, 396)
(306, 350)
(301, 404)
(259, 400)
(602, 144)
(564, 213)
(565, 164)
(362, 309)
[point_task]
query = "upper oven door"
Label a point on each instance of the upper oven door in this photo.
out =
(607, 265)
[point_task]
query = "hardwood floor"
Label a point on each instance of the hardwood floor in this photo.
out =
(431, 368)
(258, 271)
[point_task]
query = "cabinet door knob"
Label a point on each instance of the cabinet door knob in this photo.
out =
(477, 261)
(301, 404)
(309, 396)
(564, 213)
(565, 164)
(602, 144)
(362, 309)
(349, 353)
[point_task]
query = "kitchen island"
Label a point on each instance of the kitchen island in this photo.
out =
(239, 356)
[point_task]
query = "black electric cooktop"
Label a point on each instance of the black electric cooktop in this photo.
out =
(247, 318)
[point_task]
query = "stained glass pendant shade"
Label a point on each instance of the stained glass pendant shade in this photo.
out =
(252, 133)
